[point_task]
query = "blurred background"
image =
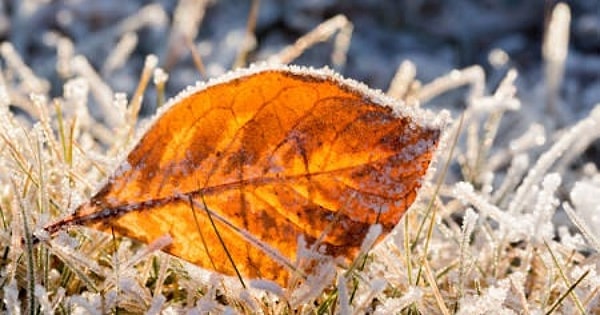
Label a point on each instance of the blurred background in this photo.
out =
(437, 36)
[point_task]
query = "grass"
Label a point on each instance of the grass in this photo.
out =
(481, 238)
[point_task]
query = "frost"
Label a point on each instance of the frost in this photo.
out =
(14, 61)
(490, 302)
(370, 238)
(465, 192)
(11, 298)
(64, 52)
(469, 221)
(586, 129)
(367, 294)
(392, 305)
(160, 76)
(156, 305)
(100, 90)
(175, 311)
(119, 55)
(315, 283)
(76, 98)
(586, 199)
(4, 98)
(229, 311)
(206, 305)
(268, 286)
(86, 303)
(67, 252)
(343, 299)
(42, 297)
(151, 62)
(545, 207)
(120, 103)
(575, 241)
(586, 216)
(132, 289)
(246, 297)
(419, 116)
(591, 280)
(517, 168)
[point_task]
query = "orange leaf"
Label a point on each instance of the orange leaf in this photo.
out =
(269, 155)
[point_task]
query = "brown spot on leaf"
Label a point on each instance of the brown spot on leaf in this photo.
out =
(268, 157)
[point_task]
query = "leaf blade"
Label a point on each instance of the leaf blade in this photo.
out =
(273, 155)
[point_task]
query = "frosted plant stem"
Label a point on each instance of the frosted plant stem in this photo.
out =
(343, 297)
(533, 137)
(65, 140)
(455, 132)
(469, 221)
(116, 270)
(121, 267)
(520, 293)
(473, 76)
(249, 40)
(4, 96)
(588, 125)
(436, 291)
(504, 94)
(566, 280)
(375, 288)
(472, 131)
(341, 44)
(581, 144)
(404, 77)
(55, 149)
(515, 172)
(135, 103)
(14, 61)
(28, 253)
(554, 51)
(152, 14)
(119, 55)
(583, 227)
(465, 192)
(188, 16)
(159, 78)
(187, 19)
(320, 34)
(197, 58)
(64, 55)
(77, 262)
(101, 91)
(569, 290)
(407, 248)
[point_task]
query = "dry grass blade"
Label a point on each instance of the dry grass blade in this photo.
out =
(566, 281)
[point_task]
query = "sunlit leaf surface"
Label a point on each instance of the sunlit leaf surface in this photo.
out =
(271, 155)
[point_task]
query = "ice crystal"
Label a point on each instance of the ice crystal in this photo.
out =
(491, 301)
(488, 238)
(585, 196)
(392, 305)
